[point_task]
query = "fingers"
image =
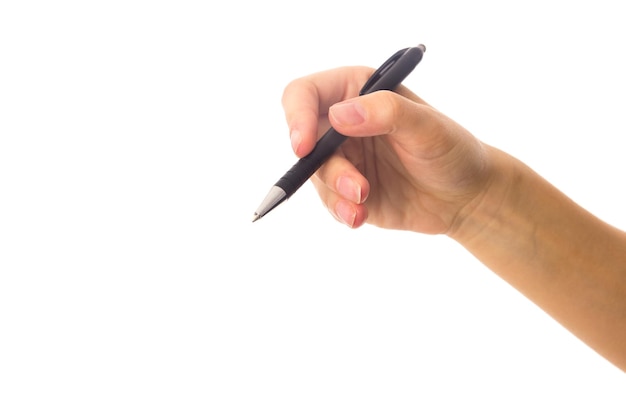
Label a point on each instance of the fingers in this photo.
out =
(306, 101)
(343, 189)
(340, 197)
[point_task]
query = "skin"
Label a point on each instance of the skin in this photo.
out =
(406, 166)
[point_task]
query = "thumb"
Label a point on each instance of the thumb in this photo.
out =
(381, 113)
(414, 126)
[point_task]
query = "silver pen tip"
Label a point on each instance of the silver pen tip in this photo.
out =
(255, 217)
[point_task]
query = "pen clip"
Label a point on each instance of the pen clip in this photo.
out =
(381, 71)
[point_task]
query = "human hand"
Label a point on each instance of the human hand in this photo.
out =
(405, 165)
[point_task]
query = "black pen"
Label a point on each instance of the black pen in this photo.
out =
(387, 77)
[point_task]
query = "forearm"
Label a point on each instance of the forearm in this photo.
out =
(561, 257)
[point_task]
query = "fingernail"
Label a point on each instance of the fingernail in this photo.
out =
(345, 213)
(296, 139)
(348, 113)
(349, 189)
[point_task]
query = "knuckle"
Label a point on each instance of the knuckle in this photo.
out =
(388, 111)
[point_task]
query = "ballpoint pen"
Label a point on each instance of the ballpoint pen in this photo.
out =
(387, 77)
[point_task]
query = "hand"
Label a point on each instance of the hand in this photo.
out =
(405, 165)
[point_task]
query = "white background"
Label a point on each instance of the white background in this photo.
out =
(138, 137)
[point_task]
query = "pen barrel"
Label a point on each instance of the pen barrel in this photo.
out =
(306, 166)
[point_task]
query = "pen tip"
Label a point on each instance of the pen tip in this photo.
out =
(255, 217)
(422, 47)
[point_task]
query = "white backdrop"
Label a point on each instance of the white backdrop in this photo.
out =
(138, 137)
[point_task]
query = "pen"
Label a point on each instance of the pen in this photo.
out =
(387, 77)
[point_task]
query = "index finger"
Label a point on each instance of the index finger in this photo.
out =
(307, 99)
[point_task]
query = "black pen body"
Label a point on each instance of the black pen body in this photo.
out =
(307, 165)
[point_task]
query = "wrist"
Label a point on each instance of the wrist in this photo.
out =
(486, 215)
